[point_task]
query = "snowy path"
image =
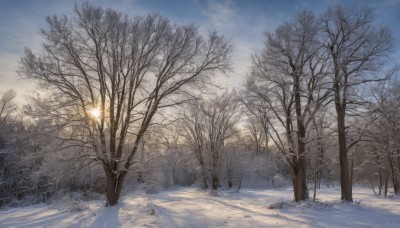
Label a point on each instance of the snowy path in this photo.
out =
(180, 209)
(188, 207)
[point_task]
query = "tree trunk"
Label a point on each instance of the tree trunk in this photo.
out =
(398, 174)
(215, 182)
(394, 177)
(204, 174)
(230, 183)
(114, 185)
(301, 174)
(346, 187)
(320, 163)
(272, 180)
(214, 168)
(317, 172)
(380, 181)
(205, 182)
(351, 172)
(386, 184)
(371, 181)
(315, 184)
(174, 181)
(319, 178)
(300, 189)
(240, 183)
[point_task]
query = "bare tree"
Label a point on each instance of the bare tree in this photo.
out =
(7, 132)
(258, 132)
(110, 75)
(356, 48)
(208, 124)
(221, 115)
(7, 107)
(383, 136)
(194, 134)
(177, 157)
(287, 83)
(233, 162)
(320, 139)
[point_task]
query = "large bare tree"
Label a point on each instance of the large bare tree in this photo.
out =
(356, 48)
(109, 75)
(288, 85)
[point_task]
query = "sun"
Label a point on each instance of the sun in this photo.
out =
(95, 112)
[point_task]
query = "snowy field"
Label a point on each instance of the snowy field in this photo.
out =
(189, 207)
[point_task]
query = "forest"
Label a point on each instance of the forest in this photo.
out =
(128, 103)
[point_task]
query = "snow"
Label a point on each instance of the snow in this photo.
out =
(190, 207)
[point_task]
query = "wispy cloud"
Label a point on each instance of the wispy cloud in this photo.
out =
(221, 15)
(20, 25)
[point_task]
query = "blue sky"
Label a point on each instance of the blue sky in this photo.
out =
(239, 20)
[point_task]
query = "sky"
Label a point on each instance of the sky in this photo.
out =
(243, 22)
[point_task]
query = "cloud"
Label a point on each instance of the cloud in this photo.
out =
(20, 25)
(221, 15)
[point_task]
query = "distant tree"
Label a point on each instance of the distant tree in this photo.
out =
(320, 140)
(357, 49)
(110, 75)
(193, 131)
(258, 132)
(177, 157)
(7, 125)
(7, 108)
(208, 124)
(221, 117)
(382, 137)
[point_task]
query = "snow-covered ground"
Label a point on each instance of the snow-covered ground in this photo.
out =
(190, 207)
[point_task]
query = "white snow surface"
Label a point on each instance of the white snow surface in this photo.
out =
(190, 207)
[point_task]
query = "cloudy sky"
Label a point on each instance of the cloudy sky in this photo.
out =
(242, 21)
